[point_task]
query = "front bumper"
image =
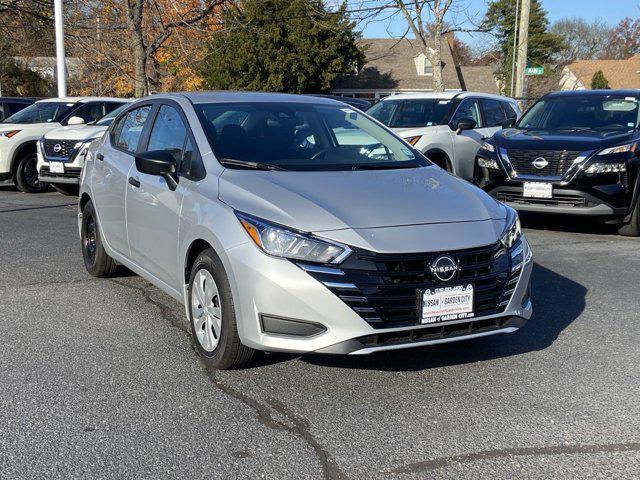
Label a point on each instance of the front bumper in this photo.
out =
(72, 168)
(273, 287)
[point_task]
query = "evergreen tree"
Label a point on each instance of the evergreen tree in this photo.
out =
(295, 46)
(599, 81)
(500, 19)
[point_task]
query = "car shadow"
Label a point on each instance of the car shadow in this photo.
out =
(565, 223)
(558, 302)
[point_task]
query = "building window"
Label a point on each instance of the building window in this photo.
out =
(428, 67)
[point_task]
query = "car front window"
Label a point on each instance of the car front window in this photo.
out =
(41, 112)
(604, 113)
(411, 113)
(300, 137)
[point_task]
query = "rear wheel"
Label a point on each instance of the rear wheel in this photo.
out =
(212, 315)
(632, 229)
(26, 175)
(64, 189)
(96, 260)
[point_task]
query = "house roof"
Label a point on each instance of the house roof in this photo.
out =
(479, 79)
(390, 65)
(620, 73)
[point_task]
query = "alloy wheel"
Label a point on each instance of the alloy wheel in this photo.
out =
(206, 309)
(89, 240)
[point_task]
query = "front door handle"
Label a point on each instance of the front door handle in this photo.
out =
(100, 156)
(134, 181)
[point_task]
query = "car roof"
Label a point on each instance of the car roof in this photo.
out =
(84, 99)
(448, 95)
(232, 96)
(579, 93)
(18, 99)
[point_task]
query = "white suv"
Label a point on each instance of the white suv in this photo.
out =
(447, 127)
(21, 131)
(61, 152)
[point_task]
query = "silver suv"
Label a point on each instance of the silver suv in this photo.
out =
(298, 224)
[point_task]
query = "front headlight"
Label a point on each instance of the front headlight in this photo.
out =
(488, 147)
(488, 163)
(630, 147)
(513, 230)
(606, 167)
(279, 241)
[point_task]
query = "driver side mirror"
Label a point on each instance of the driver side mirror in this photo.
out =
(159, 163)
(465, 124)
(508, 123)
(75, 121)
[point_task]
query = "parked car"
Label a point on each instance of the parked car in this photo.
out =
(447, 127)
(20, 133)
(61, 152)
(276, 236)
(574, 153)
(11, 105)
(359, 103)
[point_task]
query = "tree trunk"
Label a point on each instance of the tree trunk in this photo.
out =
(134, 21)
(436, 58)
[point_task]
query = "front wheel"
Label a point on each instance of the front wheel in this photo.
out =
(212, 315)
(96, 260)
(632, 229)
(26, 175)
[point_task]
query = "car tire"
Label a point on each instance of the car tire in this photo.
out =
(632, 229)
(26, 175)
(68, 190)
(96, 260)
(212, 315)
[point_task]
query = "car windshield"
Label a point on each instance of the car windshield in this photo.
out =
(108, 118)
(604, 113)
(301, 136)
(411, 113)
(41, 112)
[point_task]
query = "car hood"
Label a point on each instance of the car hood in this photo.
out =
(512, 138)
(79, 133)
(322, 201)
(413, 131)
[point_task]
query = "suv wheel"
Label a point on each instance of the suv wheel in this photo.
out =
(26, 175)
(632, 229)
(96, 260)
(212, 315)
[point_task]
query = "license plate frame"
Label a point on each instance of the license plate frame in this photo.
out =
(439, 312)
(537, 190)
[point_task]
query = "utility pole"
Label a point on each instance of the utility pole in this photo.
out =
(515, 47)
(61, 72)
(523, 39)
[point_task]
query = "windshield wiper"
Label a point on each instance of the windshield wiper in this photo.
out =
(250, 165)
(375, 166)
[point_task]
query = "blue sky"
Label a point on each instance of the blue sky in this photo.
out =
(611, 11)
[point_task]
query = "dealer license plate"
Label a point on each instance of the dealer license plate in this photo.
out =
(56, 167)
(537, 190)
(447, 303)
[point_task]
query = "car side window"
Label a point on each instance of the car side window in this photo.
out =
(493, 114)
(127, 132)
(89, 112)
(168, 133)
(468, 108)
(509, 111)
(3, 111)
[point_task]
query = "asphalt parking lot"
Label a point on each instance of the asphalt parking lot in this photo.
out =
(98, 378)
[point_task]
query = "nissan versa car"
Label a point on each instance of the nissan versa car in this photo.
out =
(276, 235)
(447, 127)
(61, 152)
(572, 153)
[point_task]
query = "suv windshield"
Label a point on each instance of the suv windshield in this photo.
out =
(411, 113)
(41, 112)
(292, 136)
(108, 118)
(604, 113)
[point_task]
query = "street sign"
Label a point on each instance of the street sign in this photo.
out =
(534, 71)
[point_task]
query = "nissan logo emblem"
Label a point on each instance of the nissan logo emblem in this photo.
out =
(540, 163)
(57, 148)
(444, 268)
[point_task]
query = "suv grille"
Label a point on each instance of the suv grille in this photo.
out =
(386, 289)
(66, 148)
(559, 161)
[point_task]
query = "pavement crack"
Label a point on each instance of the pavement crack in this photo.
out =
(46, 284)
(437, 463)
(298, 426)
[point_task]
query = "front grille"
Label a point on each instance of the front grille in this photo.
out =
(559, 161)
(69, 172)
(558, 200)
(386, 289)
(65, 148)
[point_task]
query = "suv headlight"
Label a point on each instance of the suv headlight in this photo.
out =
(488, 147)
(513, 230)
(279, 241)
(630, 147)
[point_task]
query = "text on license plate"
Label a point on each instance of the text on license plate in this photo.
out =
(56, 167)
(447, 303)
(537, 190)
